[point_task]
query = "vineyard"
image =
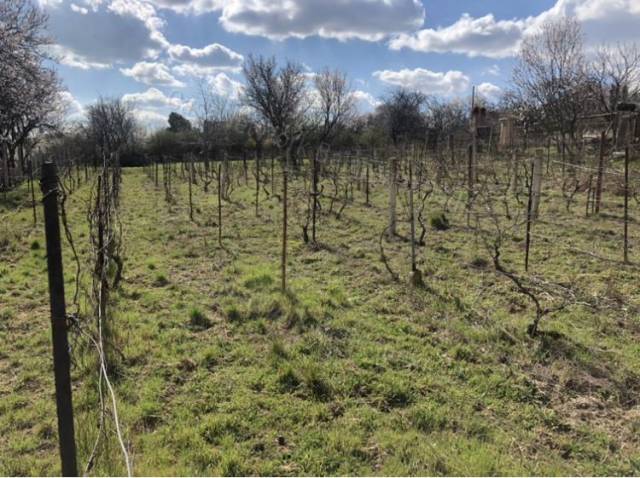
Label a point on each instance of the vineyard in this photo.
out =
(260, 265)
(242, 316)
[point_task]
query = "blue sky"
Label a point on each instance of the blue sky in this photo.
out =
(154, 52)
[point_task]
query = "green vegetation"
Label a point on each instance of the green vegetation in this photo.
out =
(348, 372)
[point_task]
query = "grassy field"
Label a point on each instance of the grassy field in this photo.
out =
(347, 373)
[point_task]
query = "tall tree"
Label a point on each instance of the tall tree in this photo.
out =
(278, 95)
(178, 123)
(29, 97)
(403, 117)
(111, 125)
(335, 103)
(551, 75)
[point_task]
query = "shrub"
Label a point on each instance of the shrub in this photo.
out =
(35, 245)
(233, 313)
(288, 380)
(439, 222)
(198, 319)
(161, 280)
(479, 263)
(278, 350)
(315, 382)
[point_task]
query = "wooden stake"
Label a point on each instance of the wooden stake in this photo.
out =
(190, 187)
(599, 180)
(527, 244)
(284, 229)
(626, 205)
(220, 204)
(61, 359)
(314, 194)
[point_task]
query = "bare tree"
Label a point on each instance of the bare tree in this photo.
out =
(336, 103)
(277, 94)
(615, 79)
(616, 70)
(404, 121)
(111, 125)
(551, 76)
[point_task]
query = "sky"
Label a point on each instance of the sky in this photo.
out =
(155, 53)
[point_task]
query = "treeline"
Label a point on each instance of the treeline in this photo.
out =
(558, 91)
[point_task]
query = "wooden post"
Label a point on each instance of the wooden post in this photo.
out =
(314, 194)
(33, 192)
(588, 206)
(272, 178)
(599, 180)
(473, 163)
(626, 205)
(220, 204)
(411, 218)
(366, 184)
(536, 184)
(258, 183)
(470, 185)
(5, 168)
(190, 187)
(284, 229)
(514, 172)
(416, 275)
(393, 190)
(527, 244)
(452, 151)
(245, 168)
(61, 359)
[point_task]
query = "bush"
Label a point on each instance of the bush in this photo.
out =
(161, 280)
(233, 313)
(288, 380)
(479, 263)
(198, 319)
(440, 222)
(35, 245)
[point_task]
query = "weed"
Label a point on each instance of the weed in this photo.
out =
(198, 319)
(439, 221)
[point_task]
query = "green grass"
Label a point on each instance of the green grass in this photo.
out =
(348, 372)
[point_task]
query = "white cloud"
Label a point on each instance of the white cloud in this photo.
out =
(222, 85)
(73, 109)
(79, 9)
(69, 58)
(364, 101)
(152, 73)
(493, 70)
(156, 99)
(196, 7)
(94, 33)
(152, 107)
(429, 82)
(190, 69)
(602, 20)
(483, 36)
(151, 119)
(369, 20)
(211, 56)
(489, 91)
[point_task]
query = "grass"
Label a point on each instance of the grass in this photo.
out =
(347, 373)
